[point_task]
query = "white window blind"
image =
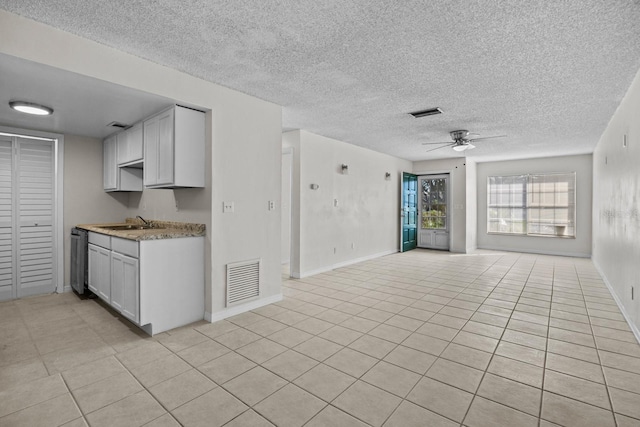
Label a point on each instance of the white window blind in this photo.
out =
(534, 204)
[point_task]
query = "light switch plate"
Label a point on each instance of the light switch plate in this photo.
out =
(227, 207)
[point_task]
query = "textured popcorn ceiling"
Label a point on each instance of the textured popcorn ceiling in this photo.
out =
(549, 74)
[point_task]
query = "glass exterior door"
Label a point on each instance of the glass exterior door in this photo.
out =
(408, 212)
(434, 212)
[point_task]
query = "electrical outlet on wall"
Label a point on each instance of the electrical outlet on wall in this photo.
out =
(272, 205)
(227, 207)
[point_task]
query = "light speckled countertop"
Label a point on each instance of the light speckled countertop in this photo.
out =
(158, 230)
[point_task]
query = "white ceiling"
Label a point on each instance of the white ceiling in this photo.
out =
(549, 74)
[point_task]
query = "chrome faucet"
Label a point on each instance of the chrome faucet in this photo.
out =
(144, 220)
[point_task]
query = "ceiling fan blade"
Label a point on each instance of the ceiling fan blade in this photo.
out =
(431, 143)
(437, 148)
(486, 137)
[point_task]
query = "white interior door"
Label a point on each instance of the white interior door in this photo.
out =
(27, 217)
(434, 217)
(7, 258)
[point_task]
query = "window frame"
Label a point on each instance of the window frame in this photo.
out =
(528, 205)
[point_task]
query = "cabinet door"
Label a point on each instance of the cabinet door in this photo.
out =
(151, 129)
(130, 143)
(123, 147)
(165, 148)
(135, 142)
(117, 284)
(94, 266)
(100, 271)
(124, 285)
(104, 268)
(110, 175)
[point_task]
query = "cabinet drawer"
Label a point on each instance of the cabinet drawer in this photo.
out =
(125, 246)
(101, 240)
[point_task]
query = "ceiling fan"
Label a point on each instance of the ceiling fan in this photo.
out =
(462, 140)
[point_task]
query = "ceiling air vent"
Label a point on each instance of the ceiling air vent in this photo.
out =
(117, 125)
(424, 113)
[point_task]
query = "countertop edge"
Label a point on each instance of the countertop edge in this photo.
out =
(169, 230)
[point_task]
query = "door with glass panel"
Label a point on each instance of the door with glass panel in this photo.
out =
(408, 212)
(434, 218)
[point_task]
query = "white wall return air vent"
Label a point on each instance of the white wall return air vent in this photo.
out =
(243, 281)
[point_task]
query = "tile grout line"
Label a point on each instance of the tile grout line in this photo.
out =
(595, 341)
(75, 402)
(546, 347)
(475, 394)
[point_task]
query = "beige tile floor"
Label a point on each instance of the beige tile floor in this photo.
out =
(422, 338)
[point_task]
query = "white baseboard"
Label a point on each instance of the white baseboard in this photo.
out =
(633, 327)
(239, 309)
(302, 275)
(539, 252)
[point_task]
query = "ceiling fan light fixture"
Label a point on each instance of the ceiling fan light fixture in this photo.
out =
(464, 147)
(31, 108)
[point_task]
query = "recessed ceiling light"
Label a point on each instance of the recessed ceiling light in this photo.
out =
(424, 113)
(31, 108)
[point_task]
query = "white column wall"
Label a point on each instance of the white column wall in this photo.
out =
(366, 221)
(616, 205)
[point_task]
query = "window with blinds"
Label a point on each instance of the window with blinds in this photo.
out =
(534, 204)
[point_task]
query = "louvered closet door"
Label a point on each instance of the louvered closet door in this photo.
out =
(7, 259)
(35, 216)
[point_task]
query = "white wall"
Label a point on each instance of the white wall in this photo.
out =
(243, 134)
(85, 201)
(291, 141)
(456, 169)
(580, 246)
(471, 206)
(285, 217)
(616, 204)
(366, 221)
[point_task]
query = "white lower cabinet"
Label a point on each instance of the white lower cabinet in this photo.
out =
(100, 271)
(157, 284)
(125, 288)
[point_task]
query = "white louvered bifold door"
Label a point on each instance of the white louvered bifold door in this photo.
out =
(35, 216)
(7, 259)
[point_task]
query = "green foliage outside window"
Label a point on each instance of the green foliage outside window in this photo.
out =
(434, 219)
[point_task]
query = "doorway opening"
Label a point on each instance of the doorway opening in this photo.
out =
(434, 213)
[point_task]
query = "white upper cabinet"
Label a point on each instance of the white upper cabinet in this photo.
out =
(174, 149)
(130, 143)
(110, 167)
(116, 178)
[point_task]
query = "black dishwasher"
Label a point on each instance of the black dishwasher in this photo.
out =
(79, 262)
